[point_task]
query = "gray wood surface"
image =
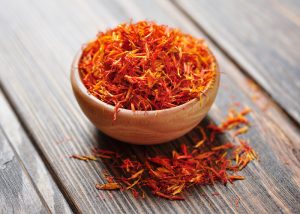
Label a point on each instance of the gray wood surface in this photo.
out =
(262, 36)
(37, 44)
(31, 160)
(17, 192)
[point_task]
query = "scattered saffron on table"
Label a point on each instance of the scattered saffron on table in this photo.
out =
(146, 66)
(216, 194)
(84, 157)
(203, 163)
(236, 202)
(108, 186)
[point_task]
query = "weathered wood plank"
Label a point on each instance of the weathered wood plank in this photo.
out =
(17, 193)
(31, 159)
(44, 37)
(255, 92)
(232, 77)
(262, 37)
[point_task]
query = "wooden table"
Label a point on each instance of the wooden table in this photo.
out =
(257, 45)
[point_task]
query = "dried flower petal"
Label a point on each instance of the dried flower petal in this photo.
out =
(108, 186)
(84, 157)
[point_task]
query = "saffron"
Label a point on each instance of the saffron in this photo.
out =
(145, 66)
(200, 164)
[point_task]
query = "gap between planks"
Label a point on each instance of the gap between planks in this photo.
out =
(28, 180)
(31, 138)
(20, 111)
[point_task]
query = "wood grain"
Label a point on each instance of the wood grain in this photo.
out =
(31, 159)
(41, 40)
(17, 193)
(262, 37)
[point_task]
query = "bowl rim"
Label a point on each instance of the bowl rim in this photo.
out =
(80, 85)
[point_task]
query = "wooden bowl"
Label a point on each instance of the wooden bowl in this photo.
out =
(142, 127)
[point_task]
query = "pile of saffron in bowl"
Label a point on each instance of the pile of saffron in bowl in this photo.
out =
(145, 66)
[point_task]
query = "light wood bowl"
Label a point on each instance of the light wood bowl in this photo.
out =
(142, 127)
